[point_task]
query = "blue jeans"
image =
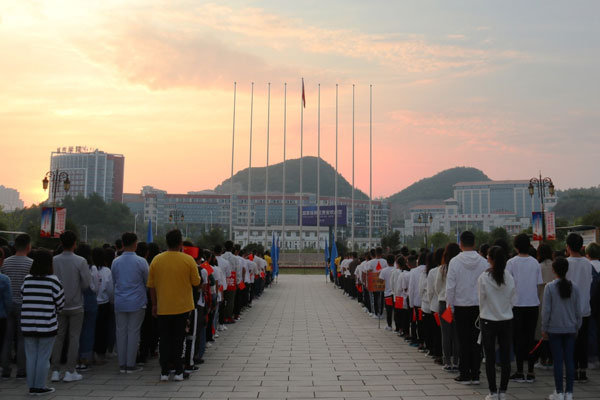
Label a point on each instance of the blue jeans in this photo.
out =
(37, 354)
(88, 329)
(563, 347)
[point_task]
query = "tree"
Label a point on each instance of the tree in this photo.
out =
(391, 241)
(482, 237)
(439, 239)
(208, 240)
(592, 218)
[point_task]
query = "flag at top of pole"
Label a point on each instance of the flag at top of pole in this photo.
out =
(149, 237)
(303, 96)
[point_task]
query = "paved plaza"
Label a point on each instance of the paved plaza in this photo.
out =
(302, 340)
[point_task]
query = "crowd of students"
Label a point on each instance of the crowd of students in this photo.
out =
(461, 305)
(76, 305)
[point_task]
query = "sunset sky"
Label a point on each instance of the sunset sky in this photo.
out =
(509, 87)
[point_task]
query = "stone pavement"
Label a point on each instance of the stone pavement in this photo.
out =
(302, 340)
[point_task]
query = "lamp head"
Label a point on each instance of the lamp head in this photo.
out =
(530, 188)
(45, 183)
(67, 184)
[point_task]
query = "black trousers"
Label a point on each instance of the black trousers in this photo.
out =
(428, 323)
(500, 331)
(470, 352)
(525, 322)
(398, 319)
(581, 345)
(389, 310)
(412, 317)
(171, 331)
(102, 328)
(367, 298)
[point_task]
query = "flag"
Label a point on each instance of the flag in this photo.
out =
(334, 255)
(149, 237)
(326, 257)
(303, 97)
(274, 256)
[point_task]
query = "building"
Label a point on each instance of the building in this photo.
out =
(206, 209)
(10, 199)
(480, 206)
(90, 171)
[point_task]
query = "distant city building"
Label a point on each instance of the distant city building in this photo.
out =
(90, 171)
(480, 206)
(9, 199)
(209, 209)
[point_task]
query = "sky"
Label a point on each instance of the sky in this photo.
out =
(510, 87)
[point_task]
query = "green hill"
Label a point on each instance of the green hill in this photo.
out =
(575, 203)
(434, 189)
(292, 179)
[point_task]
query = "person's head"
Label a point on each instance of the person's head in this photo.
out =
(467, 241)
(592, 251)
(379, 252)
(390, 260)
(218, 249)
(429, 262)
(497, 259)
(483, 250)
(502, 243)
(119, 244)
(142, 249)
(522, 243)
(68, 239)
(574, 244)
(560, 266)
(109, 256)
(23, 243)
(98, 257)
(438, 256)
(237, 248)
(354, 255)
(229, 246)
(42, 263)
(544, 252)
(404, 251)
(451, 251)
(412, 261)
(373, 253)
(174, 240)
(153, 251)
(128, 241)
(401, 263)
(84, 250)
(422, 260)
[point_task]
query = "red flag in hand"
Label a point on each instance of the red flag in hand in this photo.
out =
(437, 318)
(399, 302)
(447, 315)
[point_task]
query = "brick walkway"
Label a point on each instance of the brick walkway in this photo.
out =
(302, 340)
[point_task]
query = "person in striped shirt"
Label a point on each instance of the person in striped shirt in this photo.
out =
(43, 298)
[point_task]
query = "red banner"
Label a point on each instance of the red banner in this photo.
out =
(389, 301)
(231, 281)
(242, 286)
(399, 302)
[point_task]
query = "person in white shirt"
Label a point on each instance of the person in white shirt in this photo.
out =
(580, 273)
(397, 292)
(405, 316)
(377, 264)
(449, 337)
(240, 294)
(104, 298)
(497, 296)
(435, 321)
(414, 297)
(386, 275)
(527, 274)
(461, 295)
(230, 289)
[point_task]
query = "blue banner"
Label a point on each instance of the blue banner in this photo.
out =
(327, 215)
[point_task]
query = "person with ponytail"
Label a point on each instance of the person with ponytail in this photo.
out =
(497, 297)
(561, 319)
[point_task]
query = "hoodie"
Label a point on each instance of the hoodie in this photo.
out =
(461, 282)
(496, 302)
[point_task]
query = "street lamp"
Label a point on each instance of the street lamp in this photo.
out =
(55, 177)
(424, 217)
(176, 215)
(541, 184)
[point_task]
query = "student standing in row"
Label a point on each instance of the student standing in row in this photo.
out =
(497, 296)
(449, 338)
(43, 299)
(561, 320)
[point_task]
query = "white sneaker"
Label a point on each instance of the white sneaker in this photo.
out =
(388, 328)
(568, 396)
(216, 335)
(556, 396)
(72, 377)
(164, 378)
(501, 396)
(208, 344)
(492, 396)
(55, 376)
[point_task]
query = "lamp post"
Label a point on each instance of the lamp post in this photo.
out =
(424, 217)
(86, 237)
(135, 223)
(176, 215)
(541, 184)
(55, 177)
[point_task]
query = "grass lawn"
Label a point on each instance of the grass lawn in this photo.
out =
(302, 271)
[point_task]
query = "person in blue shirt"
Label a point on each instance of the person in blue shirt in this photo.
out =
(130, 275)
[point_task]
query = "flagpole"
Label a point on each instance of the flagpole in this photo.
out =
(301, 153)
(353, 167)
(231, 179)
(319, 173)
(250, 164)
(267, 169)
(284, 139)
(370, 163)
(335, 216)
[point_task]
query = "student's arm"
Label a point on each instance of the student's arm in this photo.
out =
(85, 275)
(481, 291)
(450, 286)
(546, 310)
(194, 275)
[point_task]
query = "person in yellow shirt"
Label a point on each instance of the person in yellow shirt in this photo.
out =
(269, 272)
(171, 279)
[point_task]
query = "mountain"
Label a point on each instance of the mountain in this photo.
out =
(434, 189)
(575, 203)
(292, 179)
